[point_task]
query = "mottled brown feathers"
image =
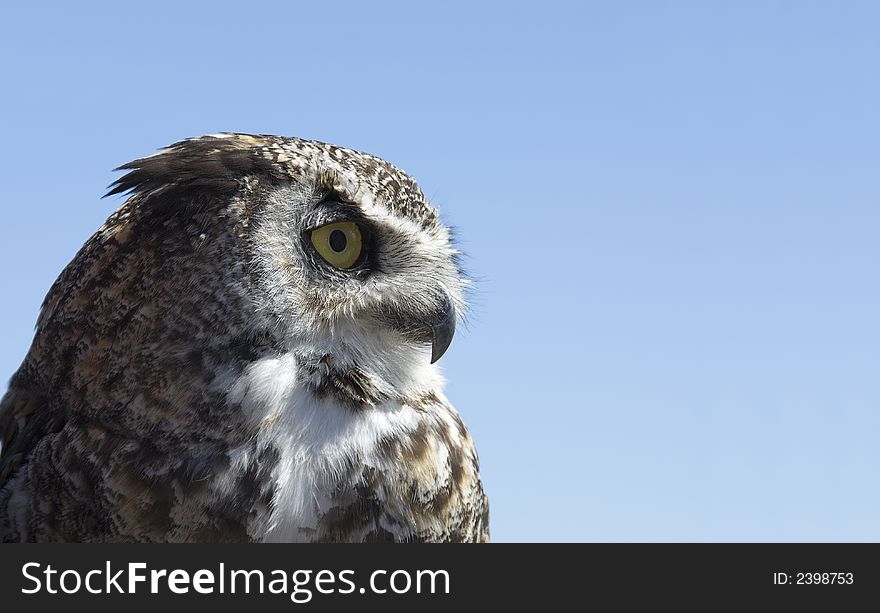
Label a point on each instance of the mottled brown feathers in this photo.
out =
(218, 164)
(199, 373)
(213, 163)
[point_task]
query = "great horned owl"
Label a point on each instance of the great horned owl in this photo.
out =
(245, 351)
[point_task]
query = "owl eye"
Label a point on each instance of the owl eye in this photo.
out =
(339, 243)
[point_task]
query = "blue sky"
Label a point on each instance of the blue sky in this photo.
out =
(671, 209)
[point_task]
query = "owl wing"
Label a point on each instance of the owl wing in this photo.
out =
(94, 425)
(24, 423)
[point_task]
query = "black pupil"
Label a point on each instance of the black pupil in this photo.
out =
(338, 241)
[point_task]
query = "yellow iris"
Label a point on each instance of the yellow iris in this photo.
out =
(339, 243)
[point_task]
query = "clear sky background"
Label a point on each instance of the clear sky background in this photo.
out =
(671, 209)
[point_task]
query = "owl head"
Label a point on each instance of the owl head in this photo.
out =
(340, 256)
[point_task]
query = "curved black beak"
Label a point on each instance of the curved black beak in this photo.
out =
(431, 321)
(442, 330)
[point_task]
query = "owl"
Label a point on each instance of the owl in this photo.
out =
(246, 351)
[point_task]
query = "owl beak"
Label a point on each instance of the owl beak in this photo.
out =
(442, 330)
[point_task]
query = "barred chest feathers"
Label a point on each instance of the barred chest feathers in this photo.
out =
(400, 467)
